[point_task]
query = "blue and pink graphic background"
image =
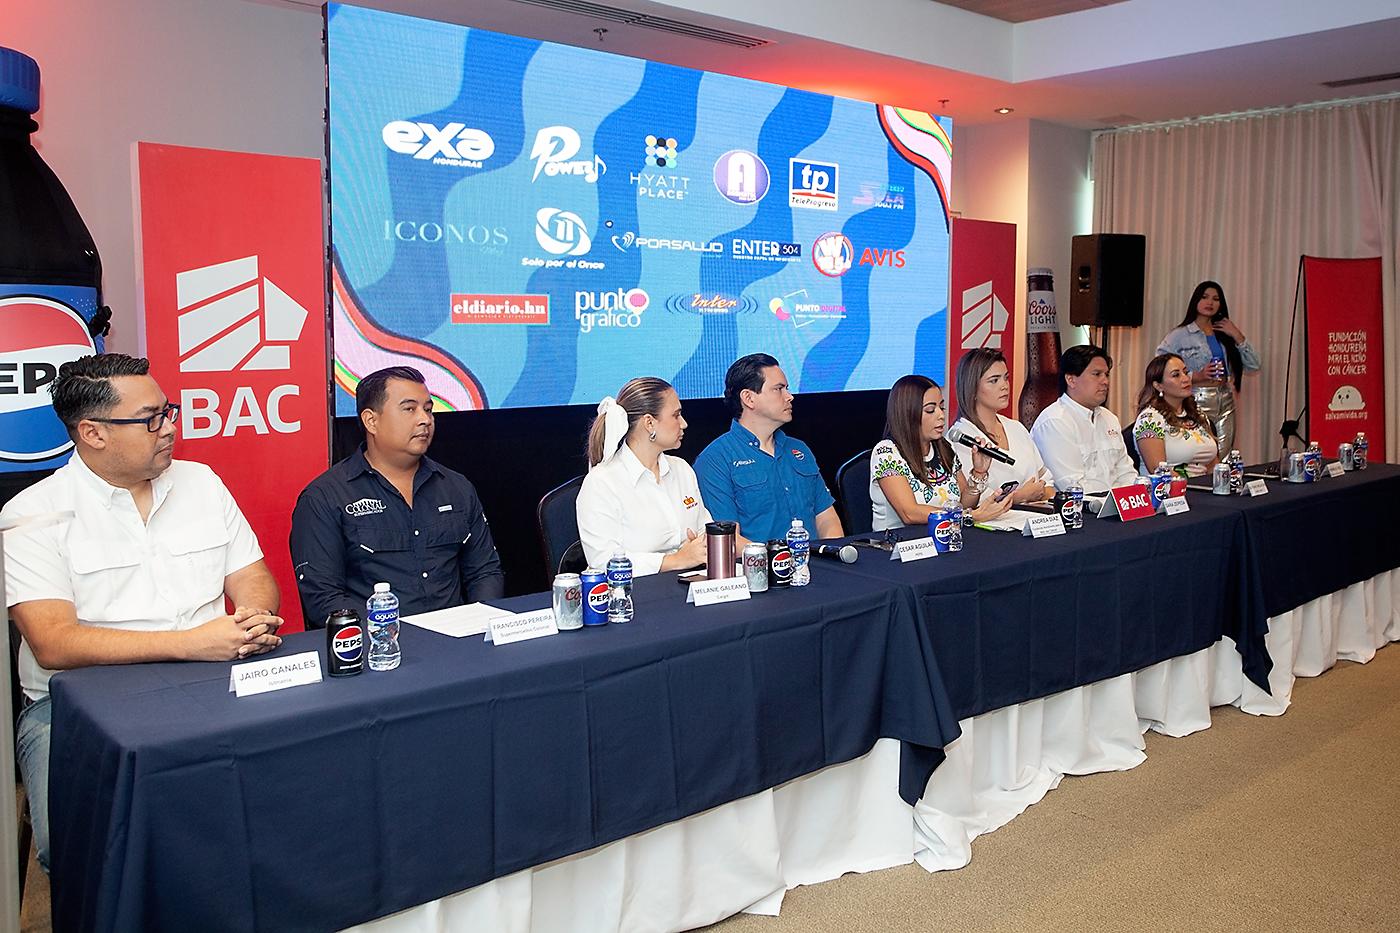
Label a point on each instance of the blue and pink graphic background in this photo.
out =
(408, 233)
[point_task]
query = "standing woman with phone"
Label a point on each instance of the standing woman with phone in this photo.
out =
(1216, 354)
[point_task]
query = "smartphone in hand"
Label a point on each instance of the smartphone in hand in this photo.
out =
(1006, 490)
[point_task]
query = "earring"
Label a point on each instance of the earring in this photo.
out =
(651, 436)
(1159, 394)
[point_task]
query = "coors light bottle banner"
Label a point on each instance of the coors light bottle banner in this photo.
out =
(1042, 346)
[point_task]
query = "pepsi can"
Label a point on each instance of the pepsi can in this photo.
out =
(345, 643)
(593, 587)
(779, 563)
(1312, 463)
(945, 528)
(755, 559)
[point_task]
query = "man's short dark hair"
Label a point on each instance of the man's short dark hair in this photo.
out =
(1076, 359)
(83, 387)
(745, 373)
(371, 391)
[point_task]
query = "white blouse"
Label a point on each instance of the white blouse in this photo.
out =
(886, 460)
(1187, 447)
(1021, 448)
(622, 505)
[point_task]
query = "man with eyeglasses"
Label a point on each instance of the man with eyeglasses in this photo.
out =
(141, 569)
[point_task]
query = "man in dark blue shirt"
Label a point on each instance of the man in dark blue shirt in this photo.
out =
(755, 474)
(387, 513)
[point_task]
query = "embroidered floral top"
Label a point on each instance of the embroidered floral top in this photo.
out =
(886, 460)
(1189, 449)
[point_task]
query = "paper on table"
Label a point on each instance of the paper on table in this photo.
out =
(458, 621)
(1012, 520)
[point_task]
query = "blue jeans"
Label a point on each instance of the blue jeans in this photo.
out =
(32, 752)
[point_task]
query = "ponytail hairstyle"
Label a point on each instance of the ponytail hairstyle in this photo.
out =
(641, 397)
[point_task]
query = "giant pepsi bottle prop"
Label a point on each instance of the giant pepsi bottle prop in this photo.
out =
(50, 276)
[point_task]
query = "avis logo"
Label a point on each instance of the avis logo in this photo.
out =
(453, 144)
(984, 317)
(37, 336)
(231, 320)
(554, 151)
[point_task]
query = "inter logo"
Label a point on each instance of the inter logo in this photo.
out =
(37, 336)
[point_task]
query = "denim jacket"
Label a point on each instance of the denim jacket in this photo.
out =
(1189, 343)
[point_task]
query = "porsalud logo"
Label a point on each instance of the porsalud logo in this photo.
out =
(453, 144)
(554, 151)
(37, 336)
(984, 317)
(230, 319)
(562, 233)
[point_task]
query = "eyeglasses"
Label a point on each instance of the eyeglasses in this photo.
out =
(152, 423)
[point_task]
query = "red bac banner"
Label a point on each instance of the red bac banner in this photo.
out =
(982, 279)
(230, 251)
(1346, 368)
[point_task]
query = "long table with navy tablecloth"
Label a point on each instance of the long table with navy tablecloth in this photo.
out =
(181, 807)
(176, 805)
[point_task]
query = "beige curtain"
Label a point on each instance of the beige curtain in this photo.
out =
(1239, 200)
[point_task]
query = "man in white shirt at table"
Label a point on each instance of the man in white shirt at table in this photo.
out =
(1077, 437)
(141, 570)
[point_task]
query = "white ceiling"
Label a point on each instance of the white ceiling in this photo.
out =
(1150, 78)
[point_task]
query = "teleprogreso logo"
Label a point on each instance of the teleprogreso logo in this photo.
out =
(813, 184)
(453, 144)
(616, 308)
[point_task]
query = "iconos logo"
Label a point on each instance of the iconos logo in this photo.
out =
(741, 176)
(37, 336)
(812, 184)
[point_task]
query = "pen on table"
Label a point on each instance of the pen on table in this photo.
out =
(985, 527)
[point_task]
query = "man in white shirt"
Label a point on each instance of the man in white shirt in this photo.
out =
(141, 569)
(1077, 437)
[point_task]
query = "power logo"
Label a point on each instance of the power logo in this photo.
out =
(230, 319)
(37, 336)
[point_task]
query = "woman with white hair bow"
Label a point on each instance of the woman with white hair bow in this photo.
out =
(635, 498)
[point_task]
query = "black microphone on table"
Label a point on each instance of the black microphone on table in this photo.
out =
(845, 553)
(958, 436)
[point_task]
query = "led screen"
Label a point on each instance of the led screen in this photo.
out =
(533, 224)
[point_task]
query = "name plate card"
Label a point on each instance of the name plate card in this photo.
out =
(1334, 468)
(914, 549)
(1129, 503)
(522, 627)
(726, 590)
(1044, 526)
(1256, 487)
(254, 677)
(1175, 505)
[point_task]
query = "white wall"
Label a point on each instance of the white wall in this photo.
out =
(1060, 205)
(224, 74)
(991, 178)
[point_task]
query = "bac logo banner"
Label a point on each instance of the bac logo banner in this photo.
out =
(37, 335)
(234, 305)
(983, 279)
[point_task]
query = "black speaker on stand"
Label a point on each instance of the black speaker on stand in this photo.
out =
(1106, 281)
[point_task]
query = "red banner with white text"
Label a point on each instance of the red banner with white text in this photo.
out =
(230, 253)
(982, 304)
(1346, 365)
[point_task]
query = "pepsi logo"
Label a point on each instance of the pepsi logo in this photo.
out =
(782, 564)
(943, 531)
(37, 336)
(348, 643)
(598, 597)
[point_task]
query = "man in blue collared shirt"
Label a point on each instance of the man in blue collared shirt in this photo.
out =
(388, 513)
(755, 474)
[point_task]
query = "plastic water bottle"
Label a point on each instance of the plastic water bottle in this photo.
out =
(799, 543)
(620, 588)
(1161, 484)
(1235, 461)
(383, 614)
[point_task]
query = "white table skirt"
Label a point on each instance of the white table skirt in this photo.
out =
(744, 855)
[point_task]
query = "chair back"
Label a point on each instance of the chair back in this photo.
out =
(853, 486)
(558, 522)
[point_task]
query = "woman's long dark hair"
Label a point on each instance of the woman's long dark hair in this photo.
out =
(1232, 351)
(1148, 397)
(904, 413)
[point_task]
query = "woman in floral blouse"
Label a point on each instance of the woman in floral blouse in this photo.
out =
(914, 471)
(1170, 428)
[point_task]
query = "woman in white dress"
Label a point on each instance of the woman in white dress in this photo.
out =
(636, 498)
(983, 385)
(1170, 428)
(914, 471)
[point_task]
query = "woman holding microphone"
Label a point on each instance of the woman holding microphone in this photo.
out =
(914, 471)
(635, 497)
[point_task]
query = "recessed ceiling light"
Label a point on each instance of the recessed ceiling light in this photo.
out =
(1003, 110)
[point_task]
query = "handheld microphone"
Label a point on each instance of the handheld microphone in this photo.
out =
(959, 436)
(845, 553)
